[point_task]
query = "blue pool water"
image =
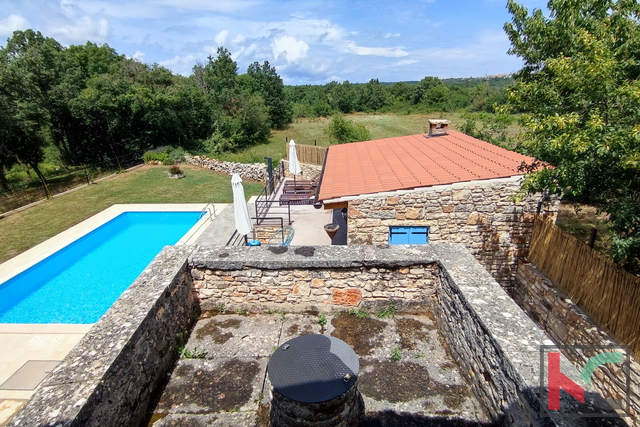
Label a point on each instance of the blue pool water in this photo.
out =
(80, 282)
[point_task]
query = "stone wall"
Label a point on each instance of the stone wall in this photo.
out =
(493, 340)
(480, 214)
(496, 345)
(308, 171)
(252, 171)
(318, 287)
(110, 377)
(566, 324)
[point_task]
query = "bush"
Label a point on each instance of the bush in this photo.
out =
(175, 170)
(342, 130)
(168, 161)
(149, 156)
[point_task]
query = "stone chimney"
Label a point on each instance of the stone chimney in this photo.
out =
(438, 127)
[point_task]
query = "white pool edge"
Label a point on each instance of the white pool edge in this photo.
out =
(31, 257)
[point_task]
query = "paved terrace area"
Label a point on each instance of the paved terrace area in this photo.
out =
(224, 381)
(30, 351)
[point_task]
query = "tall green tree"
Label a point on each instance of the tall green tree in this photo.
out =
(580, 92)
(220, 75)
(269, 85)
(31, 67)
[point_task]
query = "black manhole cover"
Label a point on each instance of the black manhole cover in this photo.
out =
(313, 368)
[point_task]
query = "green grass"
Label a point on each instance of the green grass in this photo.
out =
(147, 184)
(310, 131)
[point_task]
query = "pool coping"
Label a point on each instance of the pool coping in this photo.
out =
(31, 257)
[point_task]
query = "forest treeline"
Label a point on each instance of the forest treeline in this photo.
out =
(87, 104)
(428, 95)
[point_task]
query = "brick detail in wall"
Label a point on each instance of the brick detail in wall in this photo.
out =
(566, 324)
(482, 216)
(345, 286)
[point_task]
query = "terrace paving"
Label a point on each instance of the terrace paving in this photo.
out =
(229, 386)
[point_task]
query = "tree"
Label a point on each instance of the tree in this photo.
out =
(30, 68)
(580, 91)
(220, 75)
(269, 85)
(423, 87)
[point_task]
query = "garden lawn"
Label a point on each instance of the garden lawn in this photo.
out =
(146, 184)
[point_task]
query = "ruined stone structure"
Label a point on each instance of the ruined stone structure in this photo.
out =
(480, 214)
(110, 377)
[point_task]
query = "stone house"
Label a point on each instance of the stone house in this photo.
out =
(441, 187)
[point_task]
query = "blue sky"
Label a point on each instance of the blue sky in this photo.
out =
(309, 42)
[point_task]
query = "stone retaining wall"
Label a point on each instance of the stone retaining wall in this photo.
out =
(480, 214)
(110, 377)
(566, 324)
(344, 286)
(308, 171)
(497, 346)
(252, 171)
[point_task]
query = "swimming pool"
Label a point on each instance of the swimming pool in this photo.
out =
(78, 283)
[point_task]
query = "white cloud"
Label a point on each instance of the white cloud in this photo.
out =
(292, 49)
(391, 52)
(209, 5)
(239, 39)
(389, 35)
(81, 30)
(406, 62)
(181, 64)
(245, 52)
(12, 23)
(221, 37)
(138, 55)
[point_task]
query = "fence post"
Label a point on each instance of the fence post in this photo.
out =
(592, 238)
(86, 174)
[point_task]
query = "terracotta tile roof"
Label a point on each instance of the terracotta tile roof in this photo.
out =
(413, 161)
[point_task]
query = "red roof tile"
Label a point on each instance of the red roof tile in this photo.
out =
(413, 161)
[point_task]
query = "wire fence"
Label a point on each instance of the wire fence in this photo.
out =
(24, 194)
(595, 283)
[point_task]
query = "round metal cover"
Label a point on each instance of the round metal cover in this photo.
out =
(313, 368)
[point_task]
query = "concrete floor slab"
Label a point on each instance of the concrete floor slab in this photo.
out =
(406, 375)
(235, 335)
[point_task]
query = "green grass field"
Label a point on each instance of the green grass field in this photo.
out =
(312, 131)
(146, 184)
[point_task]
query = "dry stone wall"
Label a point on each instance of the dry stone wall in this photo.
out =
(252, 171)
(567, 325)
(308, 171)
(482, 215)
(322, 286)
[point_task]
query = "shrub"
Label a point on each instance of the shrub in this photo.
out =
(168, 161)
(149, 156)
(175, 170)
(342, 130)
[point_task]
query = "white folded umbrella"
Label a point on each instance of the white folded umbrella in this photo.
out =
(240, 208)
(294, 164)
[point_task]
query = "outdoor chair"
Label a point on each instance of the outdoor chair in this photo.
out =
(281, 237)
(296, 199)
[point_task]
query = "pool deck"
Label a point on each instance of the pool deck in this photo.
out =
(29, 351)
